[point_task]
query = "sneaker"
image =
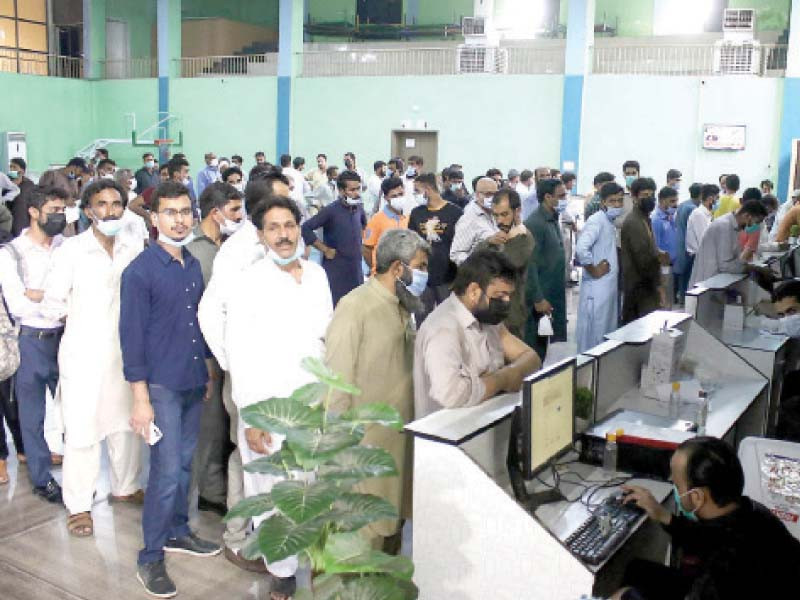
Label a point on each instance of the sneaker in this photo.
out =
(154, 578)
(191, 544)
(50, 491)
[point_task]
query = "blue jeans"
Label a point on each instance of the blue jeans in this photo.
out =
(683, 278)
(38, 370)
(166, 501)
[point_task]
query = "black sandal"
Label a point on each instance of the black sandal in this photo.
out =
(282, 588)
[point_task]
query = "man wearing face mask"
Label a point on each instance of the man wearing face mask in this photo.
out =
(435, 222)
(19, 207)
(730, 545)
(517, 248)
(370, 342)
(630, 171)
(106, 169)
(641, 258)
(477, 224)
(24, 264)
(463, 354)
(391, 217)
(164, 360)
(719, 250)
(665, 232)
(350, 165)
(233, 176)
(454, 190)
(531, 202)
(208, 174)
(674, 179)
(374, 187)
(83, 287)
(342, 225)
(70, 179)
(222, 216)
(698, 223)
(284, 298)
(596, 250)
(546, 284)
(147, 176)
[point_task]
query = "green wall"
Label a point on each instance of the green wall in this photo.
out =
(437, 13)
(55, 113)
(634, 18)
(257, 12)
(483, 120)
(141, 18)
(771, 15)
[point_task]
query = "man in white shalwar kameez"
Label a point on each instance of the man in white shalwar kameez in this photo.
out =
(597, 253)
(276, 313)
(83, 286)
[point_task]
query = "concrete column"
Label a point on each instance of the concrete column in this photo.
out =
(94, 38)
(790, 119)
(168, 29)
(290, 47)
(577, 64)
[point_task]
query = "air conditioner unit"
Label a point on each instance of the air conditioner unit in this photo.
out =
(473, 26)
(739, 24)
(481, 59)
(732, 58)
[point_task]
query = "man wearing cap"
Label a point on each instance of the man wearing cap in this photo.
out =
(784, 208)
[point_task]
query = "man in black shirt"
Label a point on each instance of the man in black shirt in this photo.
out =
(730, 546)
(454, 190)
(435, 221)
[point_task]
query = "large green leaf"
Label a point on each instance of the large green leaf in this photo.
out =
(279, 537)
(316, 445)
(253, 506)
(379, 587)
(350, 553)
(281, 415)
(301, 501)
(357, 463)
(281, 463)
(250, 549)
(352, 511)
(375, 413)
(326, 587)
(310, 394)
(319, 370)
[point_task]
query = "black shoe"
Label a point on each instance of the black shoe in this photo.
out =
(215, 507)
(191, 544)
(154, 578)
(50, 491)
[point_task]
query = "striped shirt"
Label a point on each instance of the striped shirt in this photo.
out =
(475, 226)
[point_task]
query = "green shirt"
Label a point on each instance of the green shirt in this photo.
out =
(547, 268)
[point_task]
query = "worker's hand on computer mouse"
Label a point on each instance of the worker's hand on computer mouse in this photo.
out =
(645, 500)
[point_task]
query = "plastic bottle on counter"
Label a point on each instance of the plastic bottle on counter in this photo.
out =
(610, 453)
(702, 412)
(675, 400)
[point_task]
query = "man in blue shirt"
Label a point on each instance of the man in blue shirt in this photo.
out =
(684, 261)
(665, 231)
(208, 174)
(164, 359)
(342, 223)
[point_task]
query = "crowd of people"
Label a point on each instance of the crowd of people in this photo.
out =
(157, 306)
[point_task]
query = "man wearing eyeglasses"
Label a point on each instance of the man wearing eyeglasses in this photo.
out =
(164, 359)
(546, 283)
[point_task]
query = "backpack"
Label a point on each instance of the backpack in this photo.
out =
(9, 332)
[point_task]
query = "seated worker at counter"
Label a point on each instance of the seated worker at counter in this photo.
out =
(463, 353)
(720, 251)
(732, 546)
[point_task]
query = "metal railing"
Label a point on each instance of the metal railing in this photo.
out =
(132, 68)
(35, 63)
(245, 65)
(684, 59)
(531, 60)
(376, 62)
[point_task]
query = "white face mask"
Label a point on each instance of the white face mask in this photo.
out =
(213, 163)
(108, 176)
(187, 182)
(132, 183)
(352, 201)
(239, 187)
(487, 202)
(73, 213)
(108, 228)
(176, 243)
(229, 227)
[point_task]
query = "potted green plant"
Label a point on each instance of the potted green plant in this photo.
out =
(315, 512)
(584, 400)
(794, 231)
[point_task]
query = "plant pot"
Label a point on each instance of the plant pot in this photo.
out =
(581, 425)
(792, 241)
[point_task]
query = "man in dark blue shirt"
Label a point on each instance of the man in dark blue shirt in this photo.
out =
(342, 223)
(163, 355)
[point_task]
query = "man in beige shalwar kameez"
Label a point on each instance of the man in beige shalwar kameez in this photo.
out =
(370, 342)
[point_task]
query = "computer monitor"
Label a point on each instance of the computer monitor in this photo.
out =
(548, 416)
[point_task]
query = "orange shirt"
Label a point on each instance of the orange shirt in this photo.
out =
(380, 222)
(791, 218)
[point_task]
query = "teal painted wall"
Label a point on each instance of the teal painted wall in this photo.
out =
(141, 18)
(633, 18)
(56, 114)
(234, 115)
(256, 12)
(483, 120)
(437, 13)
(771, 15)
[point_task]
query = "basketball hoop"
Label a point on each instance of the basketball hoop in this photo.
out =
(163, 142)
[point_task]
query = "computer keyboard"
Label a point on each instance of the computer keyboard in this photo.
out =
(600, 534)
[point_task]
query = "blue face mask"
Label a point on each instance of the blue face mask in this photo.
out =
(671, 210)
(629, 179)
(454, 187)
(562, 206)
(613, 212)
(679, 505)
(715, 206)
(752, 228)
(419, 280)
(282, 262)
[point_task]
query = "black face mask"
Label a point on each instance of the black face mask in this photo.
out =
(647, 204)
(55, 224)
(494, 313)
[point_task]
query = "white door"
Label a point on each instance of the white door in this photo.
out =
(118, 49)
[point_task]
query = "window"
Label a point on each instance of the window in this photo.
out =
(23, 36)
